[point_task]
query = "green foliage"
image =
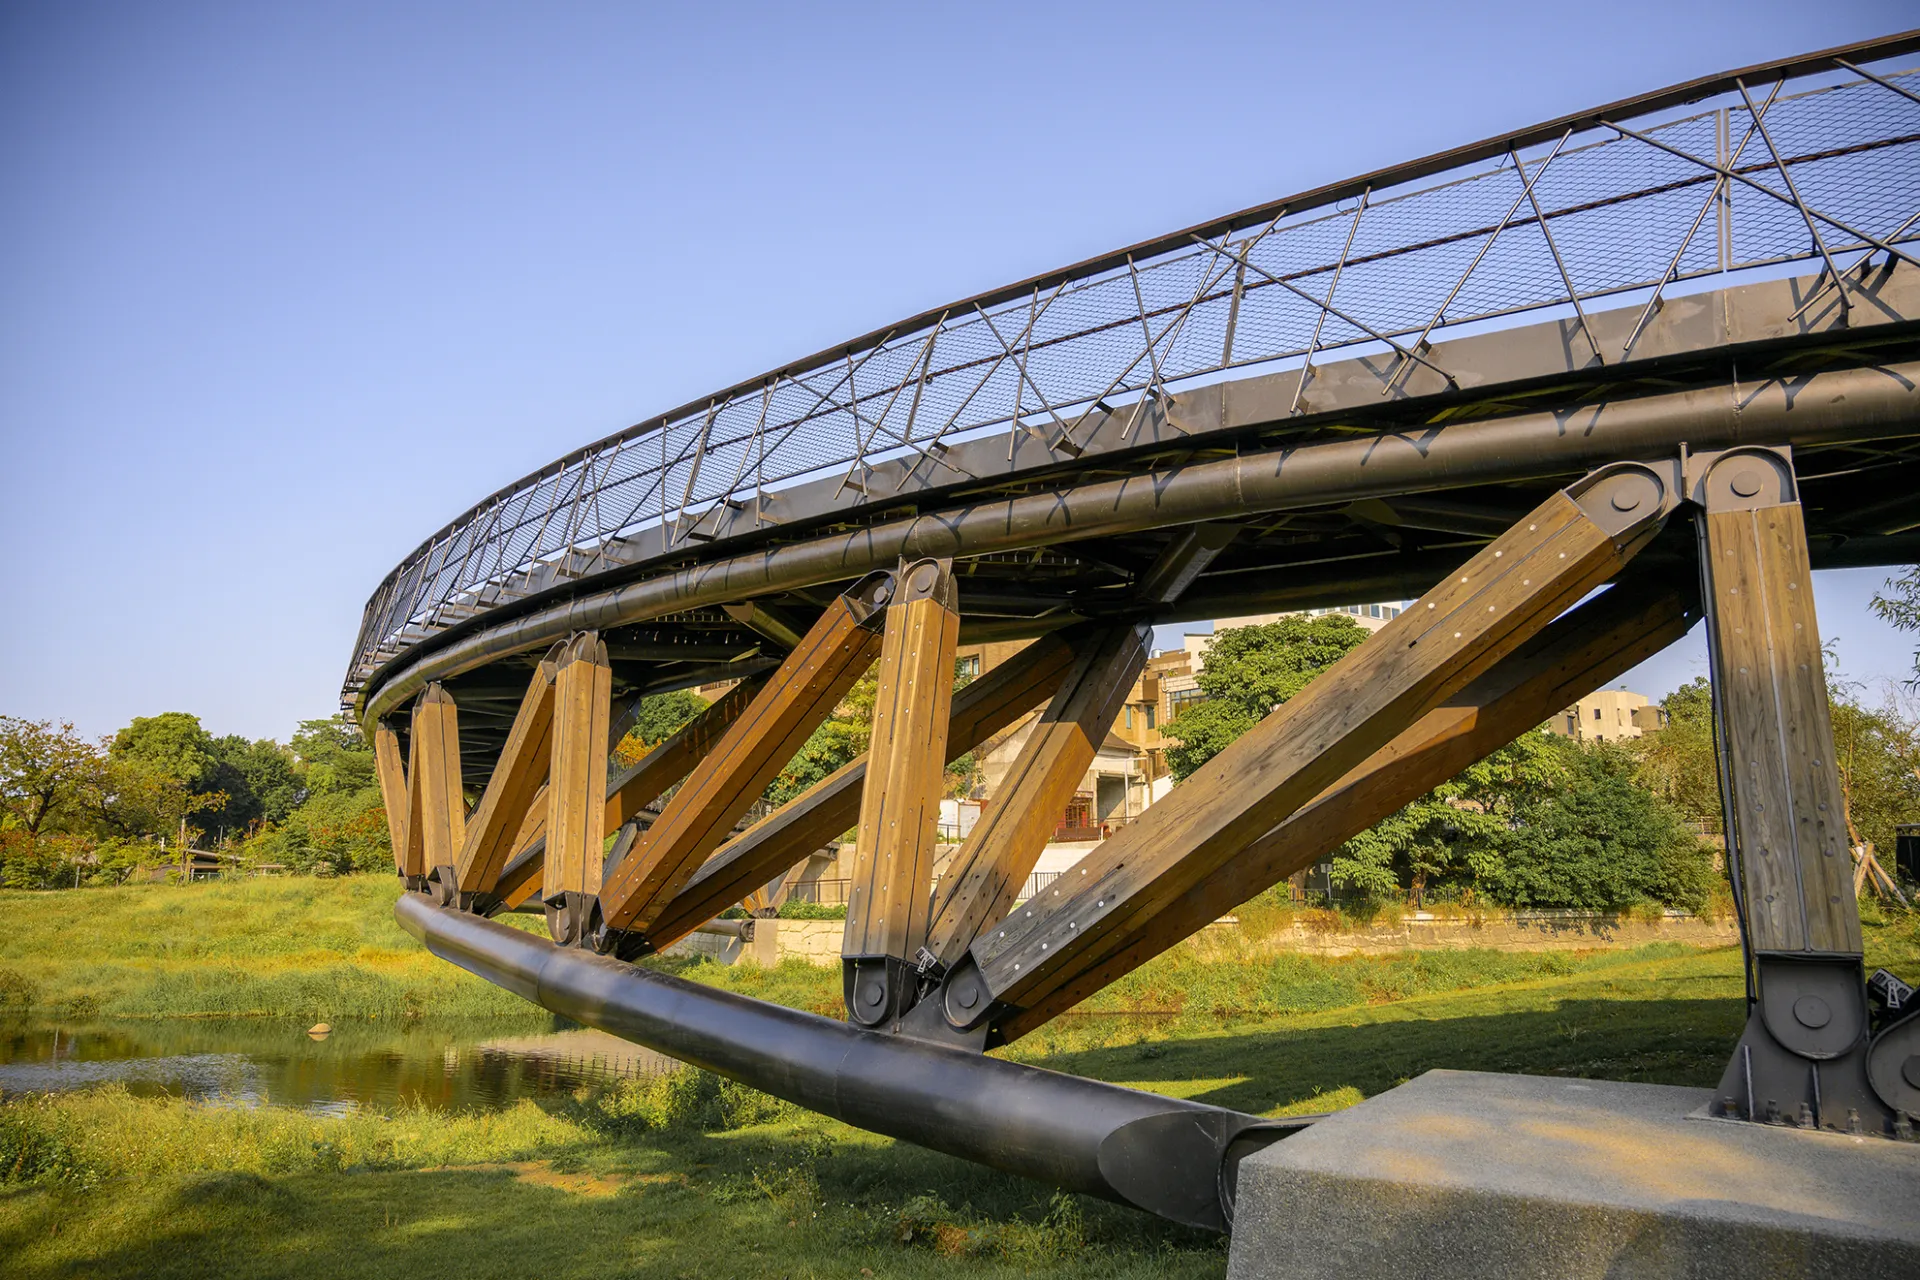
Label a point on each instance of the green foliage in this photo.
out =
(1248, 672)
(661, 716)
(1899, 603)
(1875, 750)
(1543, 822)
(689, 1099)
(1678, 764)
(1602, 842)
(339, 824)
(172, 744)
(1455, 839)
(49, 775)
(839, 740)
(792, 910)
(259, 779)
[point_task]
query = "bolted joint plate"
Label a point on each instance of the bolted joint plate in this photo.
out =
(1630, 500)
(929, 579)
(868, 598)
(1744, 479)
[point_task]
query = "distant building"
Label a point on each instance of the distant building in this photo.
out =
(1609, 715)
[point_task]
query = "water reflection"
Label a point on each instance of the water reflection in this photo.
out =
(442, 1064)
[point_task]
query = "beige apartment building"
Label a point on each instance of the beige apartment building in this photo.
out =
(1609, 715)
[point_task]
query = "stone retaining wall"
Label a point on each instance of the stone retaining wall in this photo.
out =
(1500, 931)
(818, 941)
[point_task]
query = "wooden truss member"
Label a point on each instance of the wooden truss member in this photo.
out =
(519, 779)
(393, 794)
(721, 788)
(1580, 652)
(985, 876)
(1570, 544)
(819, 814)
(436, 804)
(900, 813)
(629, 791)
(1804, 1049)
(577, 786)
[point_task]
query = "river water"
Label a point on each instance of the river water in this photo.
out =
(468, 1064)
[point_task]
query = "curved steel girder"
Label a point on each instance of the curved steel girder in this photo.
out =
(1823, 407)
(1164, 1155)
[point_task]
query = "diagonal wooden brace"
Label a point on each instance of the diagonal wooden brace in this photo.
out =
(1519, 583)
(994, 863)
(899, 815)
(795, 699)
(629, 791)
(831, 806)
(519, 777)
(1582, 651)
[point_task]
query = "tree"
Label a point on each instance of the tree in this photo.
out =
(48, 775)
(339, 820)
(1679, 764)
(173, 748)
(172, 743)
(260, 779)
(661, 716)
(1899, 603)
(331, 756)
(1601, 842)
(1248, 672)
(1873, 749)
(1453, 841)
(840, 739)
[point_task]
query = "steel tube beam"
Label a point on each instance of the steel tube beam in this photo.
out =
(1163, 1155)
(1823, 407)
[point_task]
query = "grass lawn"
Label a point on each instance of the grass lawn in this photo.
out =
(684, 1176)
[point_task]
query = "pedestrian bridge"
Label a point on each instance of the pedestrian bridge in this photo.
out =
(1666, 347)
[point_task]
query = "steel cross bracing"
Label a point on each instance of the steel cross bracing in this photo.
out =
(1815, 159)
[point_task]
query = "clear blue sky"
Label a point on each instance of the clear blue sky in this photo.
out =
(282, 288)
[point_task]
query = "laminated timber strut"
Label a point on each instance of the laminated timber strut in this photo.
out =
(1374, 390)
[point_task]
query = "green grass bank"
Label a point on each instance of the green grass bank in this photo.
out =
(688, 1176)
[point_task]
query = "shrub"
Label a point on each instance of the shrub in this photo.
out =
(17, 991)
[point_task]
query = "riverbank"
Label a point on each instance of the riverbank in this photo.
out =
(683, 1176)
(293, 947)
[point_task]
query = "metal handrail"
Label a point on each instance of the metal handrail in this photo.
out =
(1610, 201)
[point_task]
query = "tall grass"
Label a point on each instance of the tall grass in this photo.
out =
(294, 947)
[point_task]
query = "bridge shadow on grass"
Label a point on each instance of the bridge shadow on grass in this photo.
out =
(1302, 1070)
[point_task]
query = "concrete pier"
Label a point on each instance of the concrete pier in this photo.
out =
(1462, 1173)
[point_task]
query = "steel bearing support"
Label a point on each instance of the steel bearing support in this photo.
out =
(1807, 1056)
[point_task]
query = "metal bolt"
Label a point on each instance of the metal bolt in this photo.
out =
(1746, 483)
(1811, 1011)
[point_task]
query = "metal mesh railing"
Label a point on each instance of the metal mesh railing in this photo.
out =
(1621, 204)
